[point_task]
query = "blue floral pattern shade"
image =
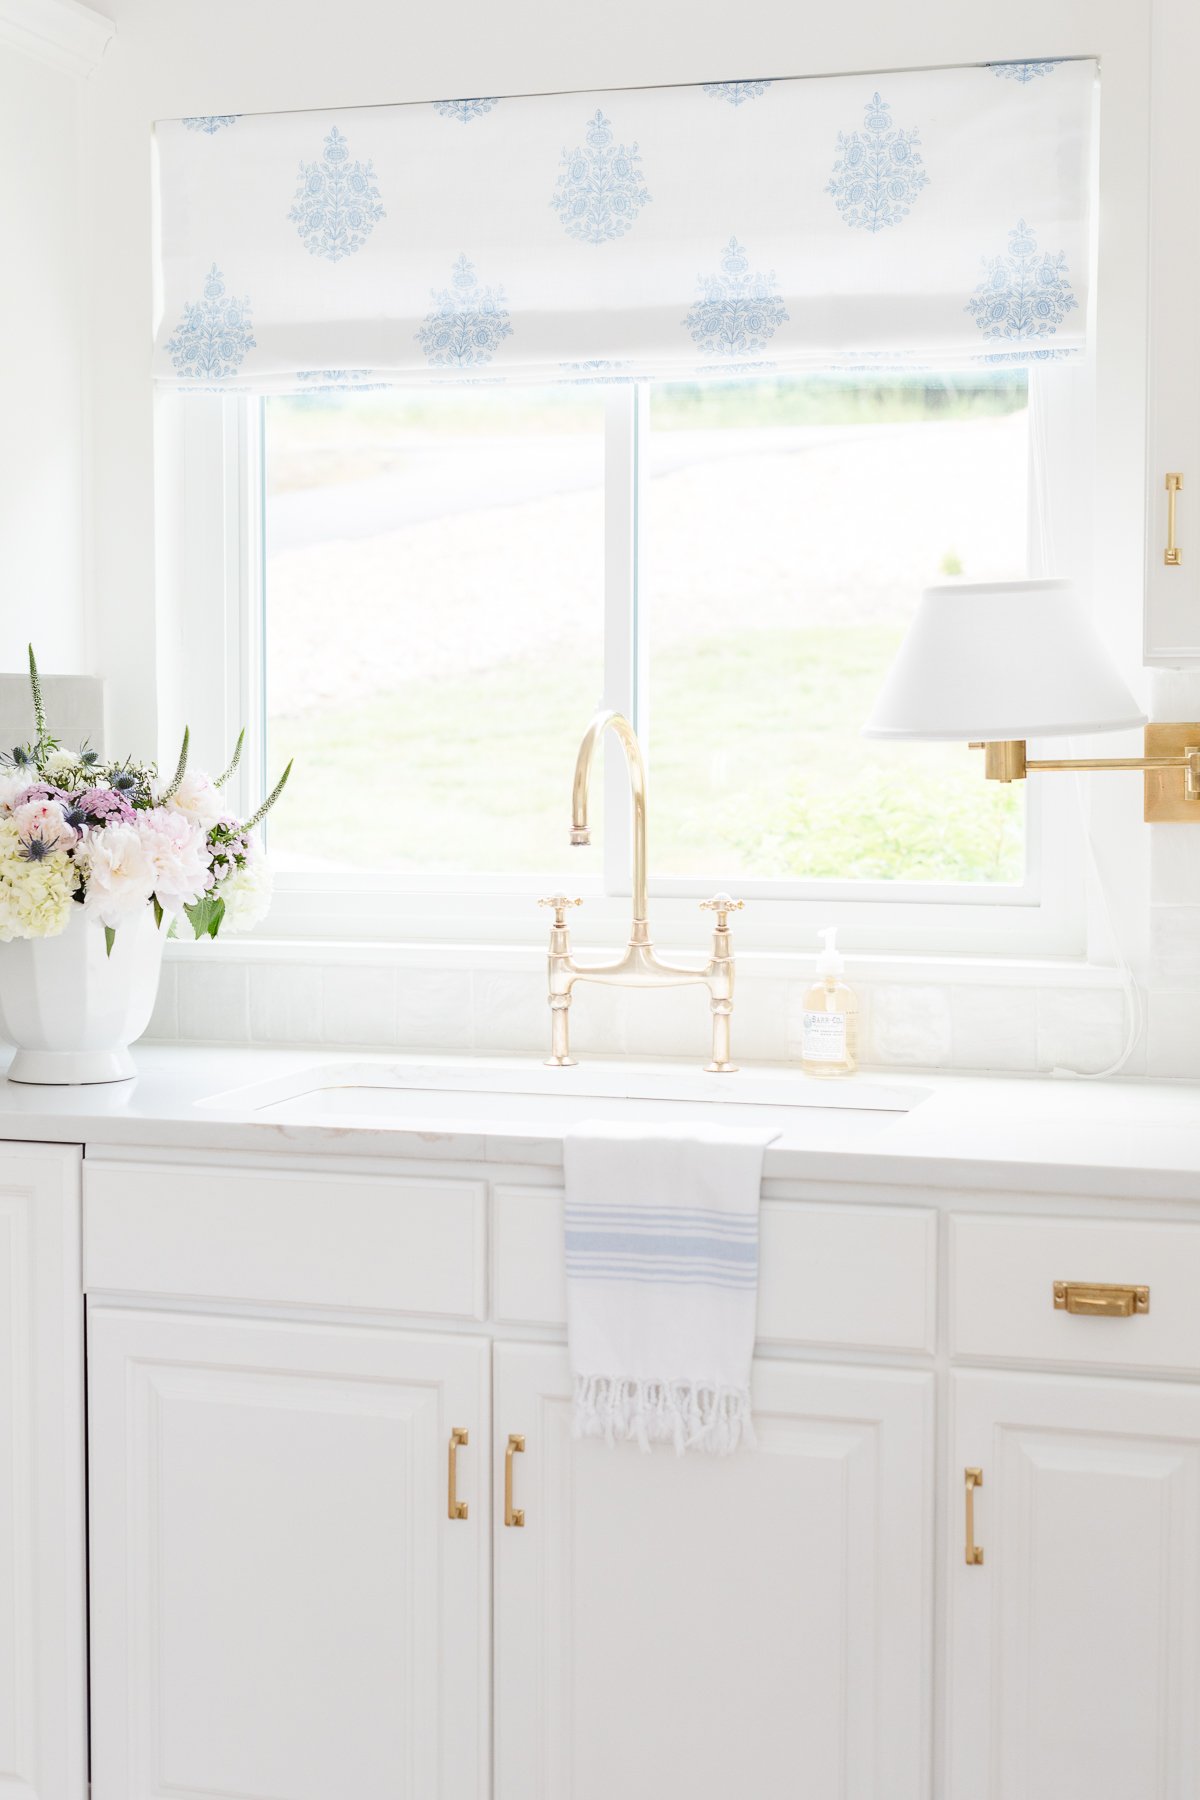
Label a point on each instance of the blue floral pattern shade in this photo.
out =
(878, 171)
(467, 323)
(601, 189)
(1024, 293)
(214, 334)
(735, 91)
(739, 311)
(337, 204)
(1024, 72)
(211, 123)
(463, 110)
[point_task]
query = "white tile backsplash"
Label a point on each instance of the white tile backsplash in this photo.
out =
(465, 1002)
(909, 1025)
(994, 1028)
(359, 1006)
(1080, 1029)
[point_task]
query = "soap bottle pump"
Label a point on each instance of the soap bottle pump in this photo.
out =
(829, 1041)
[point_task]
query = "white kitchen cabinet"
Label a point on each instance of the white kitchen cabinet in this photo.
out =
(281, 1604)
(716, 1626)
(1172, 632)
(43, 1751)
(1074, 1646)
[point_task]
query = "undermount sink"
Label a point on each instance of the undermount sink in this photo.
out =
(534, 1101)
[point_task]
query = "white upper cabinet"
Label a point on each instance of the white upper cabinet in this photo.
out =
(758, 1624)
(1074, 1649)
(43, 1752)
(1173, 437)
(281, 1603)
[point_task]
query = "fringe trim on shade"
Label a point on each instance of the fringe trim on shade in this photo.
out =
(687, 1414)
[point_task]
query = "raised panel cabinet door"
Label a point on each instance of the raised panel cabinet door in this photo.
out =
(43, 1690)
(715, 1626)
(282, 1607)
(1074, 1648)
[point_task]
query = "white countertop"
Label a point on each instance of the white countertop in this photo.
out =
(1125, 1139)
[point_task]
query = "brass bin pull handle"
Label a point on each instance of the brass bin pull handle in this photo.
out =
(456, 1508)
(972, 1478)
(1100, 1300)
(1172, 555)
(513, 1515)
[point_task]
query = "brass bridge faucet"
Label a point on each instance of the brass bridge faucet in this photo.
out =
(639, 967)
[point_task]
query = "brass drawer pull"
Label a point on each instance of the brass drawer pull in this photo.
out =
(1097, 1300)
(972, 1479)
(513, 1515)
(456, 1508)
(1172, 555)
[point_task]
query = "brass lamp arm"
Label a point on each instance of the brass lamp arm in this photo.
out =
(1004, 759)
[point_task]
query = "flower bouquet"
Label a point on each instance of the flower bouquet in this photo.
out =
(99, 861)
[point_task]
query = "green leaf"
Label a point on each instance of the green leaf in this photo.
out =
(234, 760)
(205, 917)
(110, 938)
(158, 912)
(180, 769)
(270, 800)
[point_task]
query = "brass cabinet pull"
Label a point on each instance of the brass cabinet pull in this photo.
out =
(1172, 555)
(972, 1478)
(513, 1515)
(1097, 1300)
(456, 1508)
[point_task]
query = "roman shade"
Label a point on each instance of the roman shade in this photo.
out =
(931, 219)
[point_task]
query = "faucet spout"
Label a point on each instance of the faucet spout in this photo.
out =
(580, 833)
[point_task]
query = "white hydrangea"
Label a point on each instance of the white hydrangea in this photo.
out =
(35, 893)
(246, 892)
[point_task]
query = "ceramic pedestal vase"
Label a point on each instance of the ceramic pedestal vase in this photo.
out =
(72, 1011)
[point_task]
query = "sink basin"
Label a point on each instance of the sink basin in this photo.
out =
(503, 1100)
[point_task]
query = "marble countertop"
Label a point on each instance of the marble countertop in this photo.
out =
(1121, 1139)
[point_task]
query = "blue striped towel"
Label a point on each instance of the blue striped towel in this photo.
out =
(662, 1281)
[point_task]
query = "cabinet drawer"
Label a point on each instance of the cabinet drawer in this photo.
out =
(853, 1276)
(1002, 1277)
(377, 1243)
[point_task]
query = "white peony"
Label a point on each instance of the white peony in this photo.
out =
(116, 864)
(246, 893)
(12, 783)
(198, 798)
(177, 848)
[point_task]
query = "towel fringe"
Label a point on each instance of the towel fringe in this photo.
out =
(687, 1414)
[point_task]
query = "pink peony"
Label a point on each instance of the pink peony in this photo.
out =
(178, 852)
(118, 871)
(43, 821)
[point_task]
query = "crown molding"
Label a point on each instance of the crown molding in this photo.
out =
(64, 34)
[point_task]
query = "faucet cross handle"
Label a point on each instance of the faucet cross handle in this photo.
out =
(560, 903)
(722, 905)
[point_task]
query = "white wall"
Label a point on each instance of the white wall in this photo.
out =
(41, 392)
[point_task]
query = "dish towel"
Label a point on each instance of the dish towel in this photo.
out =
(662, 1281)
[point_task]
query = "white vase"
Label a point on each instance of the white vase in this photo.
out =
(71, 1010)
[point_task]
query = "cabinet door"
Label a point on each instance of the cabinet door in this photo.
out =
(42, 1681)
(1074, 1653)
(753, 1624)
(281, 1605)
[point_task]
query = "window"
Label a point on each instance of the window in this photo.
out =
(438, 587)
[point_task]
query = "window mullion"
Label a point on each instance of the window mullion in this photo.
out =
(623, 688)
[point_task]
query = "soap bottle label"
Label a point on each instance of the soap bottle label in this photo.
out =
(824, 1037)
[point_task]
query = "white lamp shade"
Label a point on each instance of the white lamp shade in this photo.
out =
(1003, 659)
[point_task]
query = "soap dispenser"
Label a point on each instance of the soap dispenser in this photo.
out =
(829, 1042)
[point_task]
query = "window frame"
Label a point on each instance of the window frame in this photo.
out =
(209, 455)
